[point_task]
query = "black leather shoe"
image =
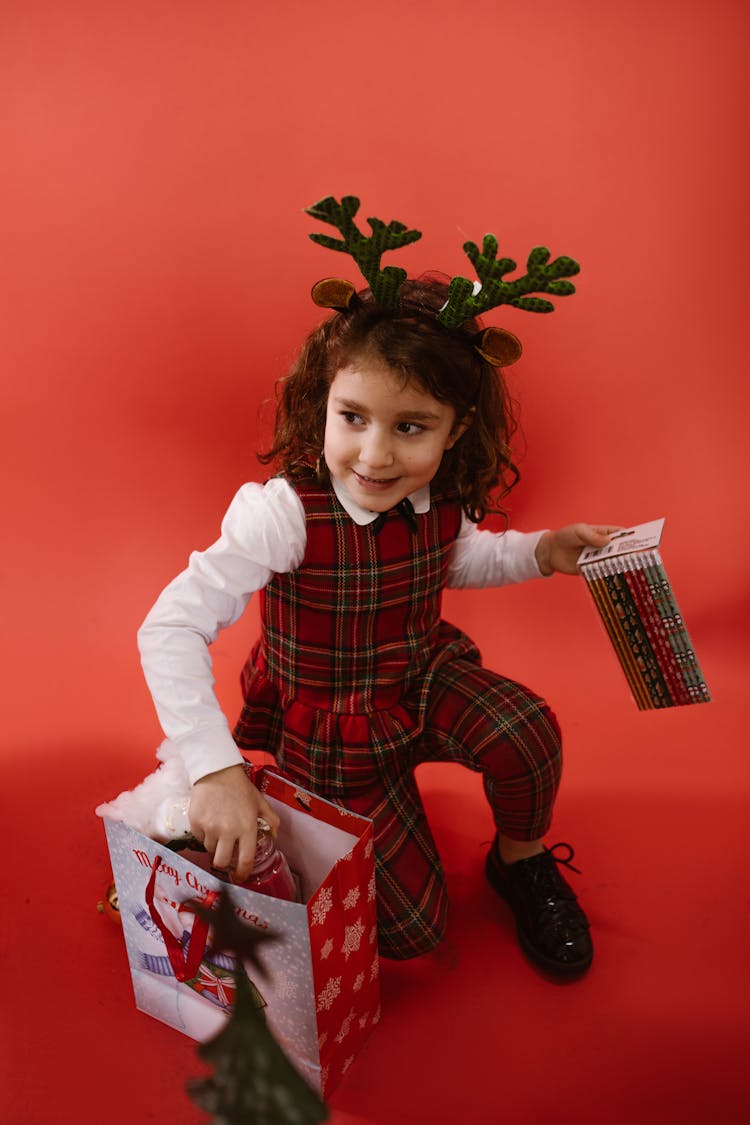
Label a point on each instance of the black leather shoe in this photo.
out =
(552, 928)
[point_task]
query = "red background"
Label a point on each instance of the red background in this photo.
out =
(155, 275)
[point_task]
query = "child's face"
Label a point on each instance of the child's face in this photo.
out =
(383, 439)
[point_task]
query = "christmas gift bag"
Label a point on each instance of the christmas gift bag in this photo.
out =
(320, 994)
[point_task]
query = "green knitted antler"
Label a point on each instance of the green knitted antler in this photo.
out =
(464, 303)
(366, 251)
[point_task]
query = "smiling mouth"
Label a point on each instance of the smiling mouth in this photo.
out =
(377, 482)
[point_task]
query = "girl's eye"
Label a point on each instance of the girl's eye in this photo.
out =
(352, 419)
(409, 428)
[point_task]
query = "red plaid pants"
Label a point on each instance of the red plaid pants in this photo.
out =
(491, 725)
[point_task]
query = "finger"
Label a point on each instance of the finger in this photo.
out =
(609, 529)
(595, 535)
(597, 538)
(223, 852)
(245, 856)
(577, 535)
(269, 815)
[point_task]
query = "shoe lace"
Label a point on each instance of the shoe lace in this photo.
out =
(566, 860)
(558, 903)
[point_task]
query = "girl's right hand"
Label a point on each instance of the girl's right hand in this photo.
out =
(224, 811)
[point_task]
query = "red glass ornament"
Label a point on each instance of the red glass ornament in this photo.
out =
(271, 873)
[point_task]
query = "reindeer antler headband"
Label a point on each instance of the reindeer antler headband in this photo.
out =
(466, 299)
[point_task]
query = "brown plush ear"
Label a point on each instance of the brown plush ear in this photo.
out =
(498, 347)
(334, 293)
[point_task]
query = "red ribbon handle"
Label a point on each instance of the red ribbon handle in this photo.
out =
(184, 966)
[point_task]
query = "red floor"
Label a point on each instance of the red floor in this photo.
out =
(656, 808)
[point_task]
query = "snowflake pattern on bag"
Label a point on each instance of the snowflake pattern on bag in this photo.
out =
(339, 930)
(322, 905)
(346, 1026)
(352, 898)
(352, 938)
(326, 949)
(329, 994)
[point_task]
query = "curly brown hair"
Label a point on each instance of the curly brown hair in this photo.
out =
(441, 361)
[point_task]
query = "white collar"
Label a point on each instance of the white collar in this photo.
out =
(420, 501)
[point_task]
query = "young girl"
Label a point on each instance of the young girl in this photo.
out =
(391, 432)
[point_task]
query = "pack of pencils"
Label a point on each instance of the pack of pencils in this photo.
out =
(634, 598)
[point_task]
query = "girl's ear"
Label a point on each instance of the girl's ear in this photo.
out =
(460, 428)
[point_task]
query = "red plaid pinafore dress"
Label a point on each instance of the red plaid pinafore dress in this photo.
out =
(356, 679)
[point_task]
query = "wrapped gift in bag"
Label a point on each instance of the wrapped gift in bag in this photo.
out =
(320, 994)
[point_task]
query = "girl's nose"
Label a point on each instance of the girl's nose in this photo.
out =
(376, 450)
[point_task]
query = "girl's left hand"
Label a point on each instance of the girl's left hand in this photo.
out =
(559, 550)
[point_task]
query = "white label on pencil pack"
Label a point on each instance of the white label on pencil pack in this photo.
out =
(643, 537)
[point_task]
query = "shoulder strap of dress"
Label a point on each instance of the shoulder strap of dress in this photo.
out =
(316, 498)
